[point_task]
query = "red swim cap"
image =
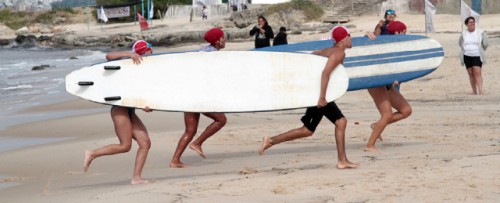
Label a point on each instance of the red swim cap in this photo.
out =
(213, 35)
(339, 33)
(396, 27)
(141, 47)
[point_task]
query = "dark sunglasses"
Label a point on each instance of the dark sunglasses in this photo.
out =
(390, 12)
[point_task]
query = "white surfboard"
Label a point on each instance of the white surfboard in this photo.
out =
(224, 81)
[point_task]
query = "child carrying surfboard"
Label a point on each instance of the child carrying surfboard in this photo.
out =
(215, 37)
(330, 110)
(127, 124)
(387, 97)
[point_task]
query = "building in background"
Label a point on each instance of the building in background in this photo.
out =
(268, 1)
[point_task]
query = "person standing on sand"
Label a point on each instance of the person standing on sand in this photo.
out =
(127, 124)
(215, 37)
(280, 38)
(263, 33)
(473, 42)
(204, 13)
(313, 115)
(387, 97)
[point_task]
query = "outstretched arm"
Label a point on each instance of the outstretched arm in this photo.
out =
(119, 55)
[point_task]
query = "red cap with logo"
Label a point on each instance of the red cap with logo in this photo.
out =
(141, 47)
(213, 35)
(339, 33)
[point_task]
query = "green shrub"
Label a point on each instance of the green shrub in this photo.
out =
(49, 17)
(13, 20)
(65, 10)
(311, 10)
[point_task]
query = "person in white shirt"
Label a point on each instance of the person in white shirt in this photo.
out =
(473, 43)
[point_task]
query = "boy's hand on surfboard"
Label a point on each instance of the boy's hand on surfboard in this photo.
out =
(322, 102)
(371, 36)
(136, 58)
(147, 109)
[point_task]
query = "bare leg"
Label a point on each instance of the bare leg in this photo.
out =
(123, 129)
(191, 123)
(140, 134)
(382, 101)
(399, 103)
(472, 80)
(343, 162)
(372, 126)
(219, 122)
(267, 142)
(478, 78)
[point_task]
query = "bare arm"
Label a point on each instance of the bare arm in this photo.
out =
(377, 31)
(378, 28)
(119, 55)
(333, 61)
(317, 52)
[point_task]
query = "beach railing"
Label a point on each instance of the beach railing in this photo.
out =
(175, 11)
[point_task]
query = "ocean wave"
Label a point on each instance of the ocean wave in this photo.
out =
(17, 87)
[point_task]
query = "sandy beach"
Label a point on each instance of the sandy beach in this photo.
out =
(448, 150)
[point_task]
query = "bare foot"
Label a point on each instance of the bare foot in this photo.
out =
(86, 160)
(346, 165)
(371, 149)
(177, 164)
(373, 127)
(138, 181)
(266, 143)
(197, 149)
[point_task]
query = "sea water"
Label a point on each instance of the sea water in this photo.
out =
(22, 88)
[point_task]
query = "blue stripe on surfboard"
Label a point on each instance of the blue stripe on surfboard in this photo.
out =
(392, 54)
(382, 80)
(393, 60)
(356, 41)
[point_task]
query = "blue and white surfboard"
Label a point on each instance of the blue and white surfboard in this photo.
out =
(374, 63)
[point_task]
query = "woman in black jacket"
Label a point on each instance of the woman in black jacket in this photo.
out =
(263, 33)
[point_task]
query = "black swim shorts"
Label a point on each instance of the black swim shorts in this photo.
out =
(472, 61)
(131, 111)
(314, 115)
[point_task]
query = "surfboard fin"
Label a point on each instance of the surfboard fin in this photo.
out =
(112, 67)
(112, 98)
(85, 83)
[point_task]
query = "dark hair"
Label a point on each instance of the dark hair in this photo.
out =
(282, 29)
(467, 19)
(263, 18)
